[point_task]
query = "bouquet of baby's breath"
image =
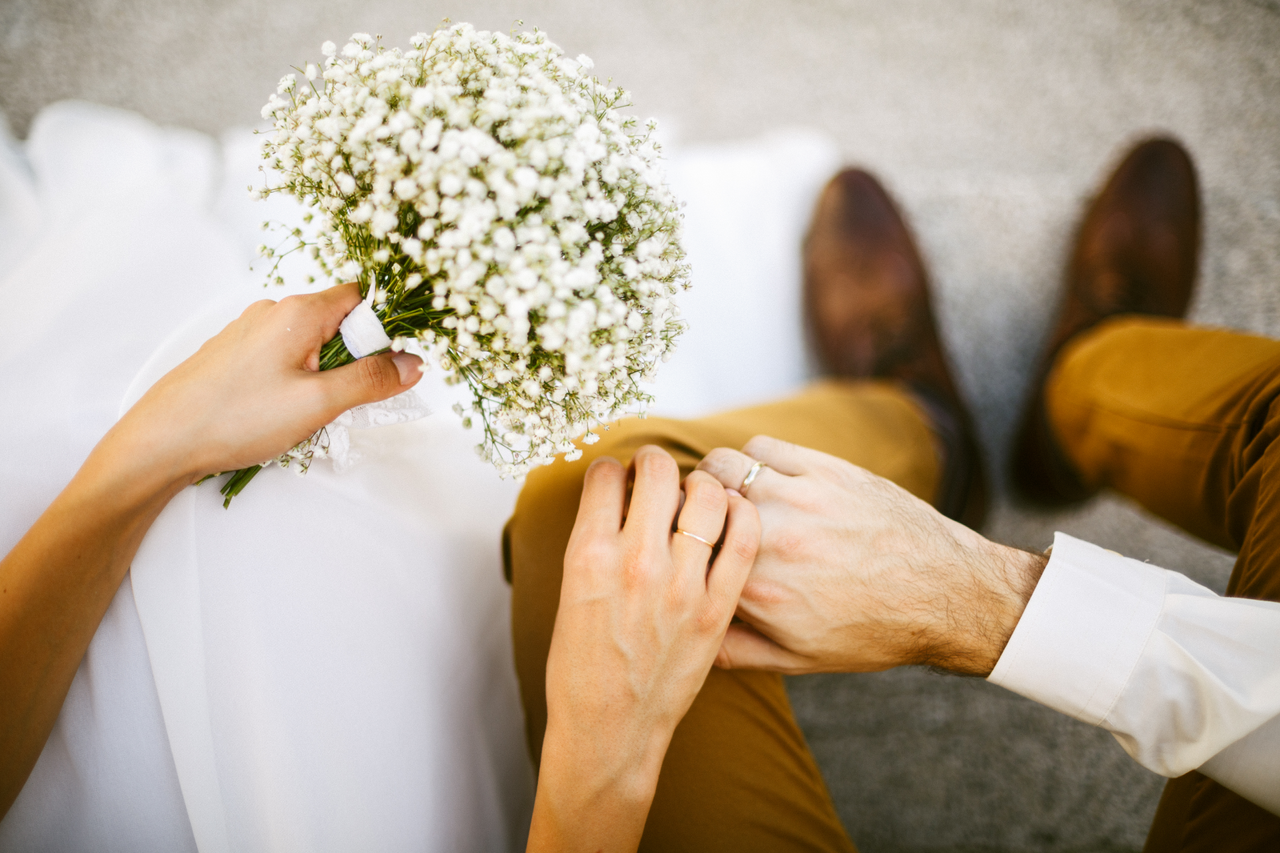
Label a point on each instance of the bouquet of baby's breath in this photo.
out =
(499, 211)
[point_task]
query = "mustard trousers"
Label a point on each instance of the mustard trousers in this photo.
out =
(1178, 418)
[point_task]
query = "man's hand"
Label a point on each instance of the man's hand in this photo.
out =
(643, 611)
(855, 574)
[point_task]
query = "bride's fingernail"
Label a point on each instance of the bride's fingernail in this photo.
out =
(409, 365)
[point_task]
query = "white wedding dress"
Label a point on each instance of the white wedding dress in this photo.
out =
(326, 665)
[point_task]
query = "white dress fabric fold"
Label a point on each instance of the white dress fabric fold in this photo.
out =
(326, 665)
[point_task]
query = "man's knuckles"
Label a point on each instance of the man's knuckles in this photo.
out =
(764, 592)
(788, 543)
(760, 445)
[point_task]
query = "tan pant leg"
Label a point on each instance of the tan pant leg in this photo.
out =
(739, 775)
(1185, 422)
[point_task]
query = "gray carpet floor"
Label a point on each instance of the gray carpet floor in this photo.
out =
(992, 122)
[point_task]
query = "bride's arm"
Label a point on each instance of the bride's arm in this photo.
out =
(642, 614)
(249, 394)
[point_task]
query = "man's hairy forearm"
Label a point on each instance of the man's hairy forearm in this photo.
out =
(977, 613)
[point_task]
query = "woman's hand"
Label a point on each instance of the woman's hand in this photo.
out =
(643, 611)
(857, 575)
(249, 394)
(254, 390)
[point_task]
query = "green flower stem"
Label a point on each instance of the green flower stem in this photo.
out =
(335, 354)
(237, 482)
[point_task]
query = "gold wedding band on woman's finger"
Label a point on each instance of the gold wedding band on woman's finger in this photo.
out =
(751, 477)
(710, 545)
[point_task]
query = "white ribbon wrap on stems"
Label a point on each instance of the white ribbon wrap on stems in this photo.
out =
(363, 335)
(362, 331)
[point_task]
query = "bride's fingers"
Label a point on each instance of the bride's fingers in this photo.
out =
(301, 324)
(655, 495)
(738, 553)
(373, 378)
(332, 305)
(702, 516)
(604, 491)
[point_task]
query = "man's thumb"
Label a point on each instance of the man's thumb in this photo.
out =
(374, 378)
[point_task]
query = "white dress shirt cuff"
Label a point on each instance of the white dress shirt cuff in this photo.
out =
(1083, 631)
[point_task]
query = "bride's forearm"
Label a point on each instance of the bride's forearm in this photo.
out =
(595, 787)
(55, 586)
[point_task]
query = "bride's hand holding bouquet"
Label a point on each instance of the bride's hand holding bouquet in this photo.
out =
(250, 392)
(253, 391)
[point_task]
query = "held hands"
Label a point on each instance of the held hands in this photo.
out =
(855, 574)
(254, 390)
(851, 573)
(642, 614)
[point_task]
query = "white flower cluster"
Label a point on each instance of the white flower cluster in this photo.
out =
(506, 215)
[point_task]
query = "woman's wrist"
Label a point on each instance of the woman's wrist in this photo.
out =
(595, 787)
(137, 466)
(108, 507)
(605, 761)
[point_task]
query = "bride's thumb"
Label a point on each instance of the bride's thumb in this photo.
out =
(373, 378)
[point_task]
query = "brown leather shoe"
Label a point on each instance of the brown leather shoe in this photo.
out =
(1136, 253)
(868, 310)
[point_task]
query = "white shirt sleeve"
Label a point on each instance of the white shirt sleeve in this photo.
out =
(1183, 678)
